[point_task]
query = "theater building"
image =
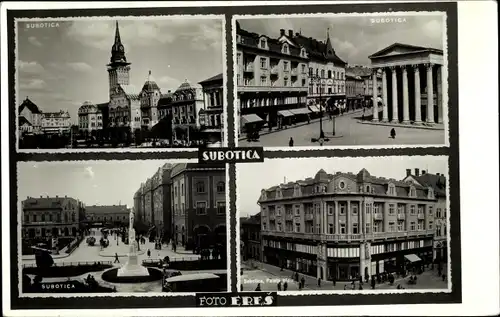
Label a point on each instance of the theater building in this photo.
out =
(438, 183)
(199, 204)
(116, 215)
(250, 238)
(412, 84)
(51, 217)
(343, 225)
(271, 78)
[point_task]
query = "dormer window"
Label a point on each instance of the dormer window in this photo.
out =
(263, 43)
(278, 193)
(367, 188)
(430, 193)
(303, 52)
(342, 185)
(296, 190)
(391, 190)
(413, 191)
(263, 195)
(285, 49)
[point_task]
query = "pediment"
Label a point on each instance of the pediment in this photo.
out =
(285, 39)
(398, 49)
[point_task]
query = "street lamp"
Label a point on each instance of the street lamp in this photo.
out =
(315, 79)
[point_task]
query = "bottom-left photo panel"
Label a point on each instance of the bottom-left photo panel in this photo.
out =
(124, 226)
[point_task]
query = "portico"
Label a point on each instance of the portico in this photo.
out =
(412, 84)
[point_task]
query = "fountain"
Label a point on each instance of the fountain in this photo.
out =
(132, 267)
(132, 271)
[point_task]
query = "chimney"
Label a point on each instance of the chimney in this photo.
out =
(290, 33)
(417, 172)
(408, 172)
(423, 172)
(41, 196)
(282, 32)
(169, 91)
(57, 196)
(297, 34)
(437, 174)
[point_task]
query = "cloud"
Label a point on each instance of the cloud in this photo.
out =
(169, 82)
(433, 29)
(89, 172)
(33, 40)
(30, 67)
(79, 66)
(206, 36)
(32, 84)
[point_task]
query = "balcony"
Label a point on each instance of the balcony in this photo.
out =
(342, 237)
(401, 217)
(402, 234)
(289, 217)
(275, 70)
(248, 68)
(295, 72)
(271, 89)
(309, 217)
(421, 216)
(378, 216)
(295, 235)
(272, 217)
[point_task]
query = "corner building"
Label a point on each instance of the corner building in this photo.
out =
(344, 225)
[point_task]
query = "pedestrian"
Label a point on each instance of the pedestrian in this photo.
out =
(285, 286)
(319, 282)
(258, 288)
(290, 143)
(373, 282)
(360, 287)
(279, 286)
(303, 282)
(444, 277)
(334, 282)
(149, 253)
(345, 287)
(393, 133)
(116, 258)
(363, 116)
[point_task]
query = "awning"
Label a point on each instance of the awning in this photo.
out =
(412, 258)
(379, 100)
(250, 118)
(285, 113)
(314, 108)
(300, 111)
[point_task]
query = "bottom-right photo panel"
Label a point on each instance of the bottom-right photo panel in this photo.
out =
(351, 223)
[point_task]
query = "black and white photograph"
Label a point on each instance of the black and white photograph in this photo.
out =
(344, 224)
(341, 79)
(122, 227)
(144, 82)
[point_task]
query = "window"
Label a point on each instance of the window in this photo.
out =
(279, 227)
(238, 58)
(367, 188)
(430, 210)
(367, 228)
(263, 80)
(330, 228)
(264, 226)
(438, 212)
(330, 210)
(263, 62)
(201, 208)
(297, 227)
(200, 187)
(412, 226)
(285, 82)
(341, 184)
(285, 65)
(322, 73)
(262, 43)
(182, 189)
(355, 228)
(73, 217)
(221, 207)
(221, 187)
(285, 49)
(342, 228)
(412, 209)
(354, 209)
(297, 210)
(310, 71)
(329, 74)
(26, 218)
(368, 208)
(391, 209)
(392, 190)
(303, 69)
(430, 225)
(391, 227)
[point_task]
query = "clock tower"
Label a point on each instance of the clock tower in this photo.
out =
(118, 67)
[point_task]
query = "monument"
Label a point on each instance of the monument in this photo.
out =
(132, 267)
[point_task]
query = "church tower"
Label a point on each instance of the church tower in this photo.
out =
(118, 67)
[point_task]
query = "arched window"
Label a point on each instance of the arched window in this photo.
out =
(221, 187)
(200, 187)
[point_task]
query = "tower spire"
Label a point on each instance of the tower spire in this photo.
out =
(117, 34)
(118, 51)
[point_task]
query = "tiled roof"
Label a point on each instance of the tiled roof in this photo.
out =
(46, 202)
(358, 71)
(23, 120)
(181, 167)
(252, 40)
(211, 79)
(31, 106)
(437, 182)
(186, 85)
(102, 105)
(318, 50)
(165, 100)
(252, 220)
(130, 92)
(106, 209)
(56, 114)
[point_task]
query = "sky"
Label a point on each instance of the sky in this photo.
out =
(61, 67)
(92, 182)
(250, 180)
(356, 38)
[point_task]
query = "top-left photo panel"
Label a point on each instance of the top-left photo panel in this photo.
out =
(120, 84)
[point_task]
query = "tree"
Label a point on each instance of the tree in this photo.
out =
(43, 260)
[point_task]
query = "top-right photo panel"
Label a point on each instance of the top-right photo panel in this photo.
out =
(341, 80)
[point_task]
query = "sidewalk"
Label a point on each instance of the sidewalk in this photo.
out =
(265, 132)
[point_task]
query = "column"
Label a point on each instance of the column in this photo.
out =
(348, 217)
(336, 220)
(362, 216)
(384, 96)
(374, 95)
(406, 105)
(395, 118)
(418, 104)
(430, 95)
(441, 76)
(325, 218)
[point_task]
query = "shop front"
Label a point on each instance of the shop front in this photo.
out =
(343, 269)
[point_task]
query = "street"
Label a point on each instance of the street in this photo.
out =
(353, 133)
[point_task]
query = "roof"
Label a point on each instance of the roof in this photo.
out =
(186, 85)
(102, 105)
(217, 77)
(437, 182)
(410, 48)
(30, 105)
(358, 71)
(23, 121)
(46, 202)
(181, 167)
(88, 107)
(252, 220)
(150, 84)
(129, 91)
(58, 114)
(107, 209)
(318, 50)
(252, 40)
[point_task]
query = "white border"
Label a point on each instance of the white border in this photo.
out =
(87, 295)
(445, 86)
(221, 18)
(311, 160)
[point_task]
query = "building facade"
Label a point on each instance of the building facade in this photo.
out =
(355, 92)
(438, 183)
(250, 239)
(89, 118)
(347, 225)
(107, 214)
(51, 217)
(56, 122)
(187, 102)
(30, 116)
(211, 117)
(199, 204)
(271, 77)
(412, 84)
